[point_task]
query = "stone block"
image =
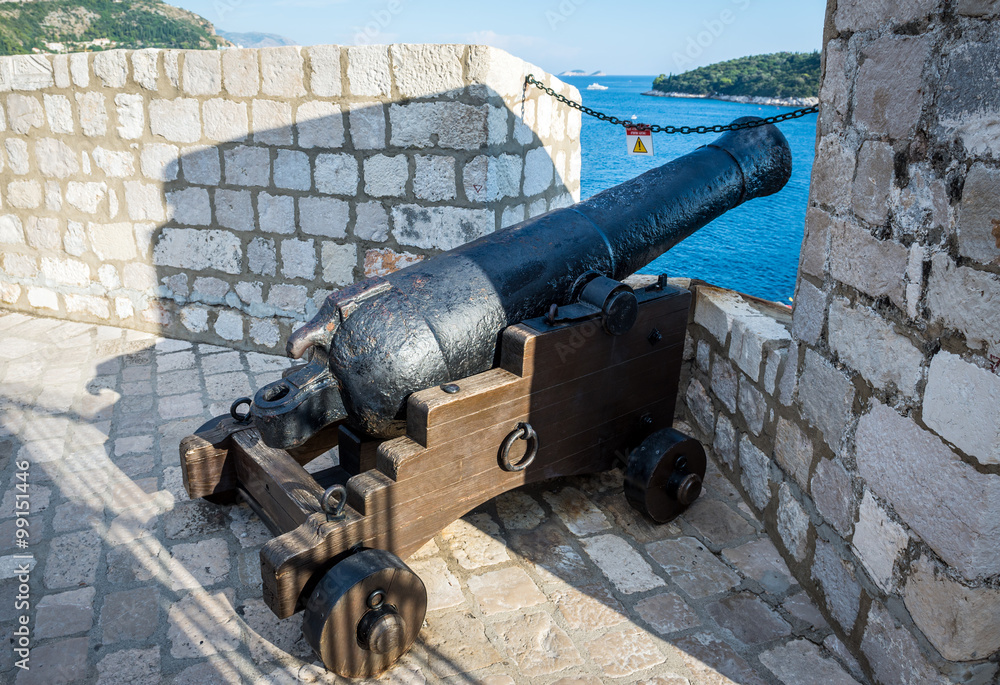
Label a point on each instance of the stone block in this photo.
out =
(17, 155)
(749, 619)
(793, 451)
(386, 176)
(59, 113)
(189, 207)
(862, 16)
(755, 476)
(455, 125)
(372, 222)
(799, 661)
(119, 164)
(867, 343)
(386, 261)
(24, 194)
(86, 197)
(488, 179)
(338, 262)
(508, 589)
(875, 267)
(428, 70)
(816, 242)
(281, 71)
(878, 541)
(261, 257)
(272, 122)
(715, 310)
(962, 404)
(324, 70)
(298, 259)
(921, 477)
(202, 624)
(131, 115)
(65, 613)
(144, 201)
(978, 219)
(889, 95)
(233, 209)
(700, 405)
(25, 113)
(835, 162)
(621, 564)
(497, 70)
(894, 654)
(539, 171)
(240, 73)
(809, 313)
(276, 213)
(978, 318)
(833, 495)
(368, 71)
(967, 105)
(441, 228)
(292, 170)
(225, 120)
(325, 216)
(367, 125)
(959, 621)
(793, 523)
(178, 120)
(752, 335)
(112, 68)
(752, 406)
(247, 166)
(202, 72)
(198, 249)
(337, 174)
(434, 178)
(55, 158)
(319, 124)
(201, 165)
(725, 444)
(20, 266)
(93, 115)
(693, 567)
(840, 587)
(159, 161)
(870, 192)
(42, 232)
(79, 69)
(145, 65)
(725, 383)
(826, 397)
(43, 299)
(65, 271)
(229, 326)
(112, 241)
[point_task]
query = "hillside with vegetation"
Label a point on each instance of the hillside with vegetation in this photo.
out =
(77, 25)
(778, 75)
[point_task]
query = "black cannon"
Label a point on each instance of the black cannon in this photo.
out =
(518, 357)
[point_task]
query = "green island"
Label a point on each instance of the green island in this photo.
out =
(778, 75)
(77, 25)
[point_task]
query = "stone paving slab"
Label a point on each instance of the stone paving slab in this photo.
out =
(562, 582)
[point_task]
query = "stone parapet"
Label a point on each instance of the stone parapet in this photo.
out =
(220, 196)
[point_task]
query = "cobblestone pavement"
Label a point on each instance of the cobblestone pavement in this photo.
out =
(561, 583)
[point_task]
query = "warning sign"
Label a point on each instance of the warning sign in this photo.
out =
(639, 140)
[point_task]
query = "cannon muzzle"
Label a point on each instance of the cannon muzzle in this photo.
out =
(374, 343)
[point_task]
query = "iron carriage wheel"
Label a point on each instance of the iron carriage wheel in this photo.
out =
(664, 475)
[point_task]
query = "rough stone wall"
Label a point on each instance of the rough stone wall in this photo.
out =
(221, 195)
(866, 427)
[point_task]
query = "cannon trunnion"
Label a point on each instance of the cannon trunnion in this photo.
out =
(514, 359)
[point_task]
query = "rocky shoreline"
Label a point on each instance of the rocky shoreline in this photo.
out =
(743, 99)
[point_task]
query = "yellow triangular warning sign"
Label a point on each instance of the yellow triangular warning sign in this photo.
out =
(640, 149)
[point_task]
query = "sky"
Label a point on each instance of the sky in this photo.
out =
(634, 37)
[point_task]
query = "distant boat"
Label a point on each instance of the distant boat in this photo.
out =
(596, 86)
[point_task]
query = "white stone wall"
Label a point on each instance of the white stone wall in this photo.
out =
(220, 196)
(865, 426)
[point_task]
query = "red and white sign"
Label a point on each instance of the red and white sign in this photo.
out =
(639, 141)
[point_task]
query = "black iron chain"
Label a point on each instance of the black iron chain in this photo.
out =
(531, 80)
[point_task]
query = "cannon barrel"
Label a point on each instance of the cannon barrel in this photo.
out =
(376, 342)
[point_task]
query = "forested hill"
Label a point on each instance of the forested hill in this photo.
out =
(779, 75)
(75, 25)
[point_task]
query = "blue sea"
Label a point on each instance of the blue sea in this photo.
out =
(754, 248)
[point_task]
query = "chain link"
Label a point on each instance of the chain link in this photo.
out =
(685, 130)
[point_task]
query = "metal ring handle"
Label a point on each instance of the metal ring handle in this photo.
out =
(525, 432)
(237, 416)
(334, 513)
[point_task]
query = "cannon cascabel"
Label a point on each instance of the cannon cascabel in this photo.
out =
(440, 320)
